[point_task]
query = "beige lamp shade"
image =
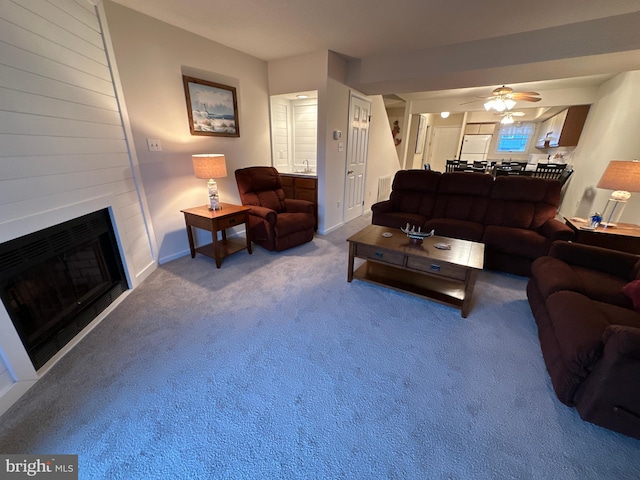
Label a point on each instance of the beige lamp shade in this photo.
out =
(621, 175)
(209, 165)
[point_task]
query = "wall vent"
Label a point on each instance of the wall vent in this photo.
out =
(384, 188)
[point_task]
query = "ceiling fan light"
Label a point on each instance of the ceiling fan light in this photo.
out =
(444, 114)
(509, 103)
(507, 120)
(489, 105)
(499, 105)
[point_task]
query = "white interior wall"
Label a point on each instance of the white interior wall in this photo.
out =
(382, 160)
(63, 148)
(305, 128)
(610, 133)
(151, 75)
(280, 121)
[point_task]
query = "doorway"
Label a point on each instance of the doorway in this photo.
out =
(294, 138)
(444, 146)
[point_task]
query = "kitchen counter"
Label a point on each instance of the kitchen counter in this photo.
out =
(300, 174)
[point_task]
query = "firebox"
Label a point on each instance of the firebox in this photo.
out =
(54, 282)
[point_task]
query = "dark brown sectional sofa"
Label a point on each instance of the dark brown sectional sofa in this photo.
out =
(589, 331)
(512, 215)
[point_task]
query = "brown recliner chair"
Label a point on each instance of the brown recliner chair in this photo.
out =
(277, 223)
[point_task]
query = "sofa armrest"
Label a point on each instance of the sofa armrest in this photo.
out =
(554, 230)
(264, 213)
(622, 341)
(610, 395)
(294, 205)
(604, 260)
(384, 206)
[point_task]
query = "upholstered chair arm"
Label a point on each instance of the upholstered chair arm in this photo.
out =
(265, 213)
(294, 205)
(614, 262)
(384, 206)
(610, 395)
(622, 341)
(554, 230)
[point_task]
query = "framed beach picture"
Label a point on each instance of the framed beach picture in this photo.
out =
(212, 108)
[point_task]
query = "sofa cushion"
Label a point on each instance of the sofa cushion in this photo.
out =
(522, 202)
(632, 291)
(447, 227)
(398, 219)
(463, 196)
(415, 191)
(515, 241)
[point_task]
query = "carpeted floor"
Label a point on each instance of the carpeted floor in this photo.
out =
(274, 367)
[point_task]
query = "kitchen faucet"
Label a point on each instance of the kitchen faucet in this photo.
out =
(306, 162)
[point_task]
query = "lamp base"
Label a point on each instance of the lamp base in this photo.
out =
(612, 212)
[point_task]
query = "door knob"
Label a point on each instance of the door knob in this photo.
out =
(350, 172)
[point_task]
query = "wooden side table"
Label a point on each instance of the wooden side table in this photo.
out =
(216, 221)
(624, 237)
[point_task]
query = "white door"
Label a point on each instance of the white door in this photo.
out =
(357, 141)
(444, 146)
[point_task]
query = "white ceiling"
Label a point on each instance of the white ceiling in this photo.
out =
(368, 30)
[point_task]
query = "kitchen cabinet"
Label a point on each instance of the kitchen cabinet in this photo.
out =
(563, 129)
(301, 187)
(479, 128)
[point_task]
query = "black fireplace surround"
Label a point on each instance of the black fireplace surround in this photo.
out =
(54, 282)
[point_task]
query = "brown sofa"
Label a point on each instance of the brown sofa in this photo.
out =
(512, 215)
(589, 331)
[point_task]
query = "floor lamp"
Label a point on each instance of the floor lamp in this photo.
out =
(622, 176)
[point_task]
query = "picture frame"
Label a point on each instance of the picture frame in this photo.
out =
(212, 108)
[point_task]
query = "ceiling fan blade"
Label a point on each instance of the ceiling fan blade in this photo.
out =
(526, 93)
(526, 98)
(518, 114)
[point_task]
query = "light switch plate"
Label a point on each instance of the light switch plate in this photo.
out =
(341, 146)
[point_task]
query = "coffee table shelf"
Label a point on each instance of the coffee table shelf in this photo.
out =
(447, 292)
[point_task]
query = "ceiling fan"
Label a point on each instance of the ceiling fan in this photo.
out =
(504, 98)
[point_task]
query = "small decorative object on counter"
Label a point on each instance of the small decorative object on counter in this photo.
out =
(416, 236)
(595, 220)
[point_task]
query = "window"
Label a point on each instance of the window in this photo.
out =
(515, 138)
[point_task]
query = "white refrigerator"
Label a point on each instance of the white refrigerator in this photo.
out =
(475, 147)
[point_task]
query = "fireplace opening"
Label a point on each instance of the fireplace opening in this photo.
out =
(54, 282)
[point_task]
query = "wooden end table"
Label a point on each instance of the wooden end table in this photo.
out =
(624, 236)
(216, 221)
(444, 276)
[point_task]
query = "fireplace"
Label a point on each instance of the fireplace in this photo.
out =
(54, 282)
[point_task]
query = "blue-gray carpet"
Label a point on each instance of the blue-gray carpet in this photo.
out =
(274, 367)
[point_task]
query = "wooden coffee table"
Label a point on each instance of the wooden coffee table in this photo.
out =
(444, 276)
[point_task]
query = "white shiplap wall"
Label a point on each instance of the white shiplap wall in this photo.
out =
(305, 136)
(63, 148)
(280, 134)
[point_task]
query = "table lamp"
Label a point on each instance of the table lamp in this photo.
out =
(210, 166)
(622, 176)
